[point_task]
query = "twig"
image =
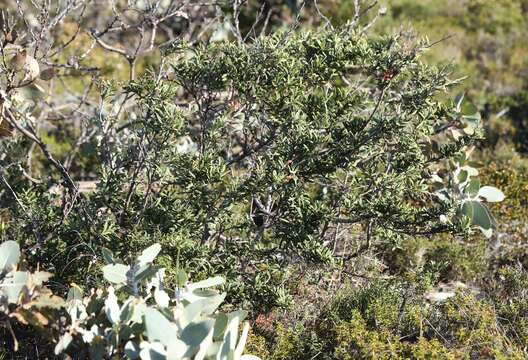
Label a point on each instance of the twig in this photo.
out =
(33, 137)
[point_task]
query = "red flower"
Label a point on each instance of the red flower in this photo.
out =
(388, 74)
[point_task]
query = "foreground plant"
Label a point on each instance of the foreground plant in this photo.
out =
(149, 324)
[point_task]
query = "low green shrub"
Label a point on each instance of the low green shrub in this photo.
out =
(390, 320)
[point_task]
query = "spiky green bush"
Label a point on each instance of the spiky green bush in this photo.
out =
(242, 159)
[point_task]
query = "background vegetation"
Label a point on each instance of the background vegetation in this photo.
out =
(314, 154)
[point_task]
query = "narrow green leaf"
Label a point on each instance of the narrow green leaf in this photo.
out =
(108, 256)
(220, 326)
(144, 272)
(462, 176)
(214, 281)
(458, 101)
(182, 278)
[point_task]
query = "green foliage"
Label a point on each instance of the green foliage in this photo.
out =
(22, 294)
(469, 194)
(149, 324)
(485, 42)
(389, 320)
(278, 142)
(286, 162)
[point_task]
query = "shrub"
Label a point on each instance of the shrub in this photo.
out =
(148, 324)
(243, 158)
(391, 320)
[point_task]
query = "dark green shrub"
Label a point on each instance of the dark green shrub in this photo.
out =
(275, 144)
